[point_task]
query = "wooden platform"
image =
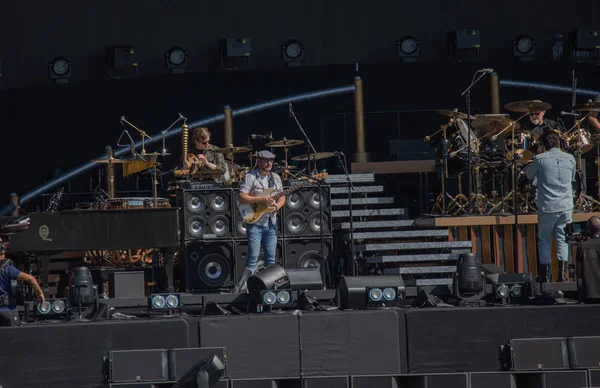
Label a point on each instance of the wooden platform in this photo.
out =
(492, 238)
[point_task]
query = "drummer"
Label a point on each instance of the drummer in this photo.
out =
(206, 155)
(538, 124)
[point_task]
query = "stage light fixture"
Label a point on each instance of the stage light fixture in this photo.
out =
(176, 60)
(265, 286)
(363, 292)
(292, 53)
(585, 46)
(59, 70)
(122, 61)
(464, 45)
(468, 282)
(511, 288)
(235, 53)
(81, 291)
(408, 48)
(164, 302)
(204, 374)
(524, 48)
(52, 309)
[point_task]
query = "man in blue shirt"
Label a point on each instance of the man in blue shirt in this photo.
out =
(555, 171)
(9, 316)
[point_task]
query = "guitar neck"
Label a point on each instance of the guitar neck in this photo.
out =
(290, 190)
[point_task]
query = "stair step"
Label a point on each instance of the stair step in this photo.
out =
(375, 224)
(414, 246)
(368, 213)
(427, 282)
(398, 234)
(421, 270)
(363, 201)
(354, 178)
(357, 189)
(412, 258)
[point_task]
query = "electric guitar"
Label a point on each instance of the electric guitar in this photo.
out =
(252, 212)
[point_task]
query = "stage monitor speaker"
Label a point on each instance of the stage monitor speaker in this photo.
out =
(239, 226)
(241, 252)
(209, 265)
(302, 212)
(207, 214)
(304, 279)
(583, 352)
(306, 253)
(363, 292)
(530, 354)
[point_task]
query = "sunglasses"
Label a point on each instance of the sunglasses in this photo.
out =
(203, 142)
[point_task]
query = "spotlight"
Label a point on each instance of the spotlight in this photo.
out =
(164, 302)
(52, 309)
(122, 61)
(235, 53)
(468, 282)
(511, 288)
(81, 289)
(363, 292)
(292, 53)
(176, 60)
(270, 287)
(463, 45)
(524, 48)
(204, 374)
(59, 70)
(408, 48)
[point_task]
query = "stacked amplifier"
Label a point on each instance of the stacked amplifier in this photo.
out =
(214, 234)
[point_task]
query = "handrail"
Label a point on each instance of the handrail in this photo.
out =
(158, 137)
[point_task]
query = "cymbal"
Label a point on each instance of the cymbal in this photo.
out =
(317, 156)
(485, 125)
(591, 106)
(284, 143)
(455, 114)
(527, 106)
(111, 161)
(232, 150)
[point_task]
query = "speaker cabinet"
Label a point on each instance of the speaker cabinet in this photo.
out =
(539, 353)
(241, 252)
(207, 214)
(209, 265)
(307, 253)
(302, 212)
(583, 352)
(239, 226)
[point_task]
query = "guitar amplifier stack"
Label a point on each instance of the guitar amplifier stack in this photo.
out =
(213, 234)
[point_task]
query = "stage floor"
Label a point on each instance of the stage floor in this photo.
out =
(320, 345)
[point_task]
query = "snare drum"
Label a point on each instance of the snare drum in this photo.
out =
(135, 203)
(524, 146)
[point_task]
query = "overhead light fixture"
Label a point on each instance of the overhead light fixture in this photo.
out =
(271, 287)
(364, 292)
(464, 45)
(408, 48)
(524, 48)
(122, 61)
(59, 70)
(235, 53)
(176, 60)
(292, 53)
(585, 46)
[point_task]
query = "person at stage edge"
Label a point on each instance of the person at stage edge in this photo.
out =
(588, 264)
(9, 316)
(265, 229)
(206, 152)
(555, 171)
(593, 117)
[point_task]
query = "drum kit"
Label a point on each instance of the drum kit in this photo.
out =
(500, 152)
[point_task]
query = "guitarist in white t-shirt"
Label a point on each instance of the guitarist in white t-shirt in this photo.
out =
(264, 230)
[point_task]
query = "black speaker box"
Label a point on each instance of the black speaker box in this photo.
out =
(302, 212)
(131, 366)
(304, 279)
(206, 214)
(308, 253)
(584, 352)
(182, 360)
(241, 252)
(539, 354)
(209, 265)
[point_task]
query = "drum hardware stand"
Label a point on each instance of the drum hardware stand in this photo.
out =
(142, 133)
(467, 91)
(309, 145)
(444, 146)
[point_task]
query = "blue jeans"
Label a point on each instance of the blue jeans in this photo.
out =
(550, 224)
(268, 236)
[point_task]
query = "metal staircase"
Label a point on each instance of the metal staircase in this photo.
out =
(386, 241)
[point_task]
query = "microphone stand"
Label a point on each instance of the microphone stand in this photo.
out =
(467, 91)
(350, 190)
(309, 145)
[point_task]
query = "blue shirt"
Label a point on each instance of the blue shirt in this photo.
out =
(555, 171)
(10, 273)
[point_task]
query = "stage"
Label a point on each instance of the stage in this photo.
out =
(447, 347)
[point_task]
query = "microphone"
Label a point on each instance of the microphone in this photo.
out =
(563, 113)
(487, 70)
(291, 110)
